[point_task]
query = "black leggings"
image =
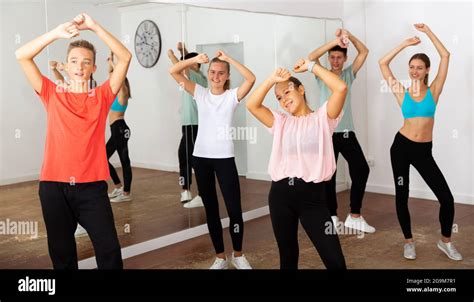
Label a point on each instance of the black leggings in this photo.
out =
(346, 143)
(205, 170)
(118, 141)
(292, 200)
(185, 155)
(63, 206)
(404, 153)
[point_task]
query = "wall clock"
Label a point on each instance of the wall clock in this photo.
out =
(147, 43)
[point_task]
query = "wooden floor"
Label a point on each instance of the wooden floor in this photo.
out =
(155, 211)
(381, 250)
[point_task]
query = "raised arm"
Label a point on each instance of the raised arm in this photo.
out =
(85, 22)
(438, 82)
(172, 57)
(249, 77)
(319, 52)
(335, 84)
(177, 69)
(175, 60)
(255, 100)
(362, 52)
(182, 49)
(56, 67)
(397, 88)
(30, 50)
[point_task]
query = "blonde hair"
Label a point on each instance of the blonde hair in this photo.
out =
(217, 60)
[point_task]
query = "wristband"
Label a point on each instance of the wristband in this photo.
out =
(311, 66)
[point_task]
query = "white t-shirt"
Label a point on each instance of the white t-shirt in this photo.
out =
(215, 115)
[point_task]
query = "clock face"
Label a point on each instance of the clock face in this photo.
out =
(147, 43)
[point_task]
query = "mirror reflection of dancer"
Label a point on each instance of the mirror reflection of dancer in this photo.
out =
(214, 152)
(73, 185)
(118, 141)
(344, 138)
(301, 163)
(413, 143)
(189, 128)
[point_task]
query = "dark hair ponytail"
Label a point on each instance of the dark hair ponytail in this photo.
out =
(297, 83)
(127, 86)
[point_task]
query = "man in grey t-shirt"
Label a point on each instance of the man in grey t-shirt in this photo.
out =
(344, 138)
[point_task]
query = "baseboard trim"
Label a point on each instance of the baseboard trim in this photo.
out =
(163, 241)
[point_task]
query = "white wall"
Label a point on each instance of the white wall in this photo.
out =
(308, 8)
(376, 115)
(354, 21)
(21, 111)
(472, 85)
(267, 40)
(387, 24)
(23, 119)
(153, 114)
(154, 122)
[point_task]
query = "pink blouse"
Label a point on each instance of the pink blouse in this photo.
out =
(302, 146)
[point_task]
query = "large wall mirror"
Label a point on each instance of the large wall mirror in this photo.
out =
(155, 113)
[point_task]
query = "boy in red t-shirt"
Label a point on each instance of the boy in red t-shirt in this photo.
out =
(73, 185)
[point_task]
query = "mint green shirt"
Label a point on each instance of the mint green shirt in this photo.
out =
(189, 113)
(348, 76)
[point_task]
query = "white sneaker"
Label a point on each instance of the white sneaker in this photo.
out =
(359, 224)
(409, 251)
(449, 250)
(195, 203)
(220, 264)
(335, 220)
(122, 197)
(186, 196)
(80, 231)
(116, 192)
(240, 262)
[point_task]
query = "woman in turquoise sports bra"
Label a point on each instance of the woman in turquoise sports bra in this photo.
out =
(413, 143)
(118, 141)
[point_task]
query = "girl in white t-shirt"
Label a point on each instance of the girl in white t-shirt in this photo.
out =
(213, 153)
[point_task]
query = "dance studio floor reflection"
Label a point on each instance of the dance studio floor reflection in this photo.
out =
(155, 211)
(381, 250)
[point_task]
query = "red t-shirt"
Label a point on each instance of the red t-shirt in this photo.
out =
(75, 135)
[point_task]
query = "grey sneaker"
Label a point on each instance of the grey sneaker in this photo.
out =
(449, 250)
(409, 251)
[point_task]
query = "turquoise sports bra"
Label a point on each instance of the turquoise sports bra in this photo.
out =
(117, 107)
(423, 108)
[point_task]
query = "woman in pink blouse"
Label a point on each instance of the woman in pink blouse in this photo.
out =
(302, 160)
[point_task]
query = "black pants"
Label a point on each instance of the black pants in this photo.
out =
(346, 143)
(118, 141)
(404, 153)
(185, 155)
(205, 170)
(292, 200)
(64, 205)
